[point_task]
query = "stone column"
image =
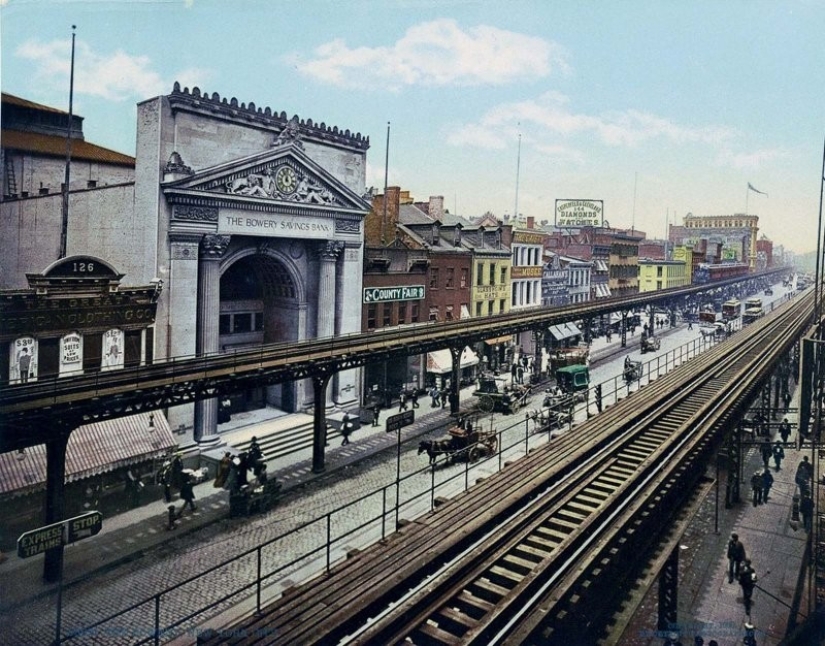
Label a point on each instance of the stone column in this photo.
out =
(328, 255)
(348, 294)
(209, 301)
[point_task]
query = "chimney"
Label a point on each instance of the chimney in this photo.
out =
(437, 207)
(531, 222)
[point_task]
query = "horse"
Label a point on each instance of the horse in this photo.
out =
(434, 448)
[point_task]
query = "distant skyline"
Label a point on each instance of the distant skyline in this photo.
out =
(658, 108)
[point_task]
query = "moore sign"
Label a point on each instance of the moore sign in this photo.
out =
(579, 213)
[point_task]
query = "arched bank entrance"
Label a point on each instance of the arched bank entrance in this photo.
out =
(259, 303)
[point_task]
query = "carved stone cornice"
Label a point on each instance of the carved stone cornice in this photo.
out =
(194, 212)
(213, 246)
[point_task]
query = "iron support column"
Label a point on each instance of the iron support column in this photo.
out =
(319, 421)
(668, 592)
(455, 390)
(55, 500)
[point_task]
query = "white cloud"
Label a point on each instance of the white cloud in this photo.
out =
(755, 159)
(115, 76)
(437, 53)
(550, 118)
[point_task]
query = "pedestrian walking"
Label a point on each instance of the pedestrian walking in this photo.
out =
(767, 483)
(804, 472)
(786, 398)
(376, 412)
(756, 487)
(520, 375)
(778, 455)
(346, 429)
(747, 579)
(785, 430)
(402, 401)
(223, 471)
(690, 324)
(736, 554)
(434, 396)
(187, 494)
(806, 508)
(445, 395)
(414, 398)
(255, 456)
(767, 451)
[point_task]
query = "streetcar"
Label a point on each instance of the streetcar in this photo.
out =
(731, 309)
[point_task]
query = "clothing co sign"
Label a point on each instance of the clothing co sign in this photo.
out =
(579, 213)
(382, 294)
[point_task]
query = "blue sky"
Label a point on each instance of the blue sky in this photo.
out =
(659, 108)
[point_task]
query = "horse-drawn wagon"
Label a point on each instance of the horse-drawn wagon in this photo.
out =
(494, 393)
(649, 343)
(633, 371)
(463, 444)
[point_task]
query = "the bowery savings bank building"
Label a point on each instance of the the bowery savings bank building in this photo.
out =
(240, 225)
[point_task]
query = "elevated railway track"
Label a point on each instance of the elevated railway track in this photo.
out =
(29, 411)
(541, 551)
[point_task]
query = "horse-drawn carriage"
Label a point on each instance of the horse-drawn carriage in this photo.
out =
(649, 343)
(633, 370)
(494, 393)
(464, 444)
(556, 410)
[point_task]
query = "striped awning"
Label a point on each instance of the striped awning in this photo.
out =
(564, 331)
(92, 449)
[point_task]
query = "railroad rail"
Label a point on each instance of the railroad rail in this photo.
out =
(28, 410)
(533, 553)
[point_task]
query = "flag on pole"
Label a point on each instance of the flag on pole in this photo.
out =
(751, 188)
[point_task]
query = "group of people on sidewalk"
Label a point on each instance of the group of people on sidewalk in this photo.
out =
(741, 569)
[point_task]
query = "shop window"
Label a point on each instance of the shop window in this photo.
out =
(225, 324)
(259, 321)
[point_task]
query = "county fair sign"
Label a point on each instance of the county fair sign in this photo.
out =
(401, 293)
(579, 213)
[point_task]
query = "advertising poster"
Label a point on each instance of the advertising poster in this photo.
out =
(71, 354)
(23, 360)
(112, 350)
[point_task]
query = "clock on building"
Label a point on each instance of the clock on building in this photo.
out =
(286, 180)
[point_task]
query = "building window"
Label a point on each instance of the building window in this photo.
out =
(480, 273)
(259, 321)
(433, 313)
(449, 278)
(489, 308)
(402, 313)
(478, 309)
(414, 313)
(434, 278)
(241, 323)
(387, 314)
(501, 306)
(371, 314)
(464, 272)
(503, 275)
(448, 313)
(492, 273)
(224, 324)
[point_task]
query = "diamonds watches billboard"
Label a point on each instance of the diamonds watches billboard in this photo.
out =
(579, 213)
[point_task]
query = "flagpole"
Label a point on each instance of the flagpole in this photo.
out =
(64, 229)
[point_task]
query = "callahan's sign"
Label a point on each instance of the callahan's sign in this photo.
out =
(579, 213)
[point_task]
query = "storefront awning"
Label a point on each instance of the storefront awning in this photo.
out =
(564, 331)
(92, 449)
(602, 291)
(499, 339)
(440, 362)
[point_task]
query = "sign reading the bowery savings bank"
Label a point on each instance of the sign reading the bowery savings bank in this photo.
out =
(579, 213)
(403, 293)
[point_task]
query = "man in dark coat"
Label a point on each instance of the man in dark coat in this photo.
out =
(747, 579)
(806, 508)
(785, 429)
(756, 487)
(767, 483)
(736, 554)
(187, 494)
(778, 454)
(767, 451)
